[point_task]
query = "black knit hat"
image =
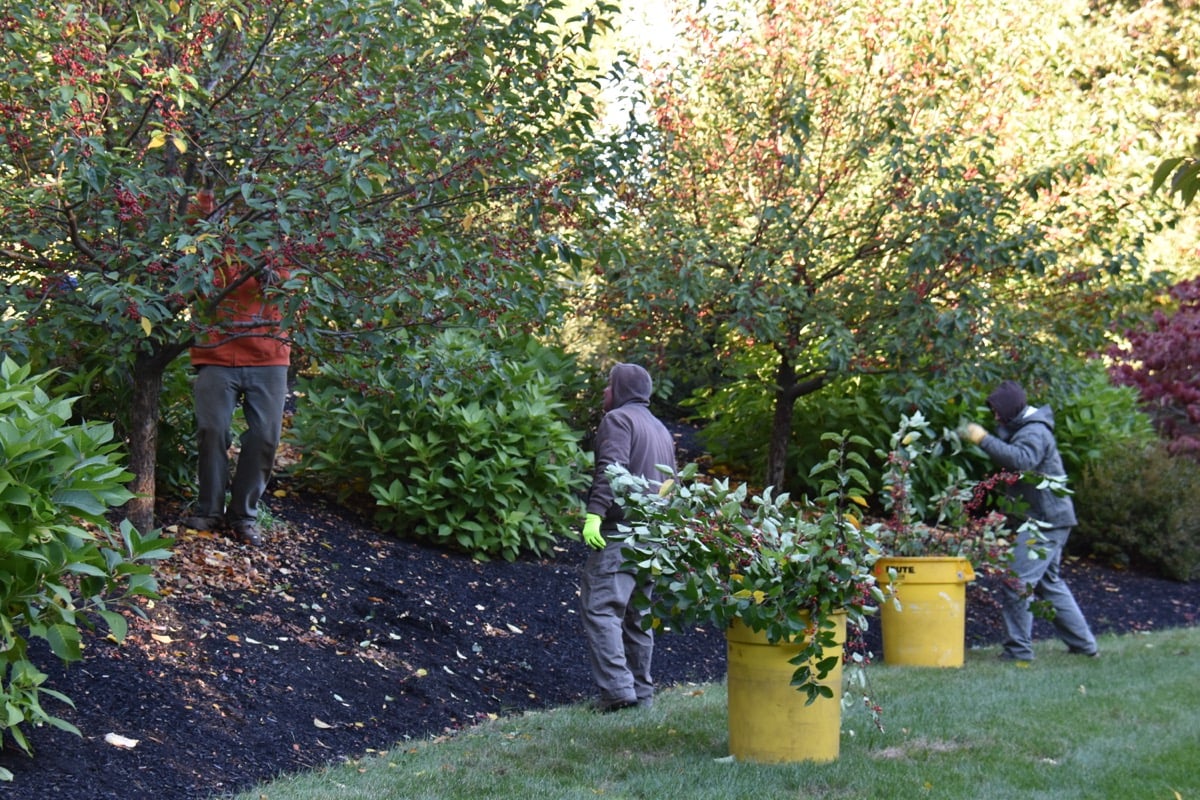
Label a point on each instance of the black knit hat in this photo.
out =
(1007, 401)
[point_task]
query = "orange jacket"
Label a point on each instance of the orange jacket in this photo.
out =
(247, 331)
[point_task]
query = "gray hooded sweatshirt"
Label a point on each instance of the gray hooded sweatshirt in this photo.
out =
(629, 435)
(1026, 444)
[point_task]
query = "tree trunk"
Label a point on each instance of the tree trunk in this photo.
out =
(143, 439)
(787, 391)
(781, 423)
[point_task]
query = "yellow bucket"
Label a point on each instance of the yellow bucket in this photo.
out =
(929, 628)
(769, 721)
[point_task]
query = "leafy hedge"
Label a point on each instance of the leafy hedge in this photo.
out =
(1141, 506)
(62, 566)
(1159, 360)
(454, 442)
(1091, 416)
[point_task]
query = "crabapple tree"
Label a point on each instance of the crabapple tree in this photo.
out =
(844, 189)
(410, 161)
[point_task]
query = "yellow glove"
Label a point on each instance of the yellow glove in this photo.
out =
(591, 532)
(973, 433)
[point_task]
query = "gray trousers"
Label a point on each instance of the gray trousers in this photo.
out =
(619, 649)
(1039, 578)
(216, 393)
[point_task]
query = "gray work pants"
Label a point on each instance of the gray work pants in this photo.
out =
(619, 649)
(216, 392)
(1039, 578)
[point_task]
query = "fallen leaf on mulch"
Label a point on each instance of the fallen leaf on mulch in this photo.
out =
(117, 740)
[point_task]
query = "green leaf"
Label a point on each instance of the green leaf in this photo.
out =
(65, 642)
(1163, 172)
(118, 626)
(83, 568)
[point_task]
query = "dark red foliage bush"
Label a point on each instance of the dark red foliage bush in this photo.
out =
(1160, 361)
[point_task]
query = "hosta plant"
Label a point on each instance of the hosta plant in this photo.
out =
(454, 441)
(63, 567)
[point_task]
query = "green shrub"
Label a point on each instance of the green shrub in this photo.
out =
(175, 467)
(1141, 506)
(454, 442)
(735, 416)
(1091, 416)
(85, 369)
(738, 421)
(1098, 417)
(62, 566)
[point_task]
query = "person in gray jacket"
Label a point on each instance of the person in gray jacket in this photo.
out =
(1024, 442)
(631, 436)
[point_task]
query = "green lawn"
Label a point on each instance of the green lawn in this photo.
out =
(1126, 725)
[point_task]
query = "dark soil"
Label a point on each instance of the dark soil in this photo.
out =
(334, 641)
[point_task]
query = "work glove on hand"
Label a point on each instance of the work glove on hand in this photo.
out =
(972, 433)
(591, 532)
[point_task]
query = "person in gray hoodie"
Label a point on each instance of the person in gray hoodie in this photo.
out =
(631, 436)
(1024, 442)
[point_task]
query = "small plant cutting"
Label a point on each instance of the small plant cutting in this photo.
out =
(716, 553)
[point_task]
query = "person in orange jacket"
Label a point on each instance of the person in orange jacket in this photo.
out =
(242, 357)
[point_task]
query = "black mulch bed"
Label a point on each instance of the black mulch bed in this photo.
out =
(335, 641)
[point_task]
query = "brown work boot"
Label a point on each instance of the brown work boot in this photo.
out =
(201, 522)
(248, 532)
(607, 705)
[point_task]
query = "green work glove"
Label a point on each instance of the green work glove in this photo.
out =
(591, 532)
(972, 433)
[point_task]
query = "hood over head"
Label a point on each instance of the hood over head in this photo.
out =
(1043, 414)
(629, 383)
(1007, 401)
